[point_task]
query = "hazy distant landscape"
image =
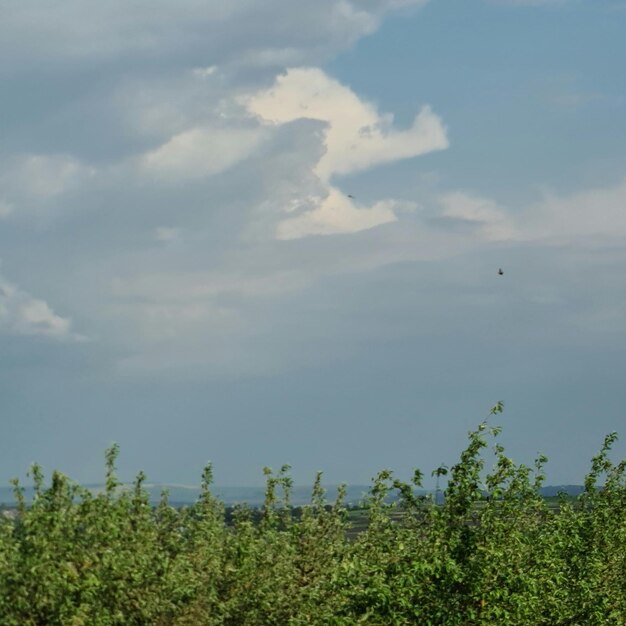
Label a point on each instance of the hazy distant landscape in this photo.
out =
(253, 496)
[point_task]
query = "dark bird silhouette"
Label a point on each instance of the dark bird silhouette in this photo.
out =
(351, 196)
(500, 272)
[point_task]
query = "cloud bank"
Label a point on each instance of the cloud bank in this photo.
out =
(202, 198)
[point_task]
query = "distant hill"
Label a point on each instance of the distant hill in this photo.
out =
(180, 495)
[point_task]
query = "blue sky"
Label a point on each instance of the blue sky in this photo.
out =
(270, 233)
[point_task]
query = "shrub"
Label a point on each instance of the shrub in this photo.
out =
(493, 552)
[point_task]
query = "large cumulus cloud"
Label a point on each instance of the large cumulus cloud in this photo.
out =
(186, 199)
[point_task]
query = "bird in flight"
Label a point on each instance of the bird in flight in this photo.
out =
(500, 272)
(351, 196)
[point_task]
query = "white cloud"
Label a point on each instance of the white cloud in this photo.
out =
(205, 72)
(336, 214)
(476, 214)
(30, 181)
(588, 217)
(358, 137)
(201, 152)
(591, 215)
(23, 314)
(42, 175)
(352, 133)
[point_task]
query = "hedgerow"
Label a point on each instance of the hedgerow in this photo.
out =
(492, 552)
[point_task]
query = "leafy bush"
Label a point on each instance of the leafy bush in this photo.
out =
(493, 552)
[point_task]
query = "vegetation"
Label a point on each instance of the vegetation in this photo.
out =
(494, 552)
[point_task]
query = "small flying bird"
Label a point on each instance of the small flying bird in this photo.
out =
(500, 272)
(351, 196)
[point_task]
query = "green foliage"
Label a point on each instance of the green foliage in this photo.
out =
(492, 552)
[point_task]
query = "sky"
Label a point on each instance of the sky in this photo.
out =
(265, 233)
